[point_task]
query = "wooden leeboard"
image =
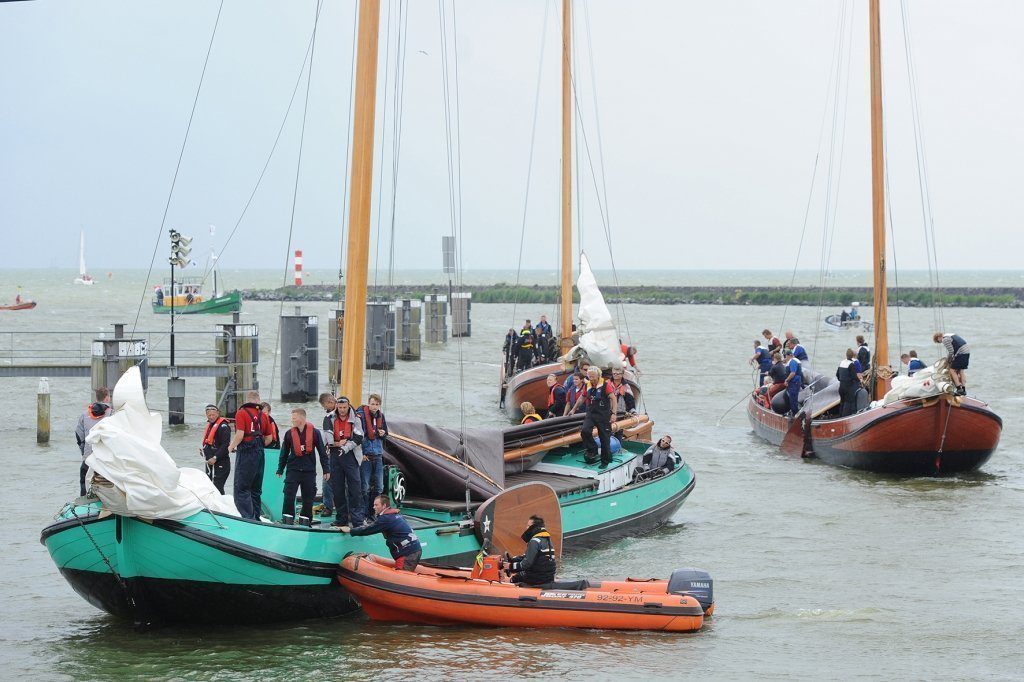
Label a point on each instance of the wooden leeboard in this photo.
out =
(501, 520)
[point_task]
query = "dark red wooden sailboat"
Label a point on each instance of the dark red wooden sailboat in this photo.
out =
(938, 435)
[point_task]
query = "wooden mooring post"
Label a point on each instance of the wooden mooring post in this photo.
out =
(43, 411)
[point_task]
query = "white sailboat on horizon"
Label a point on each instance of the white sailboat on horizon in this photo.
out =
(83, 276)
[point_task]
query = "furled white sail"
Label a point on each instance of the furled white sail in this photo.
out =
(927, 382)
(598, 337)
(145, 481)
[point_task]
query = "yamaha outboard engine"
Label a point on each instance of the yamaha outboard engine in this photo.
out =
(695, 583)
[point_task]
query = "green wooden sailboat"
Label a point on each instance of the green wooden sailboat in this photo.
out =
(211, 566)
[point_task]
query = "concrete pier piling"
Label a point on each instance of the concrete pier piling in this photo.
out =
(300, 357)
(238, 347)
(380, 335)
(175, 400)
(408, 316)
(436, 311)
(111, 358)
(461, 303)
(43, 411)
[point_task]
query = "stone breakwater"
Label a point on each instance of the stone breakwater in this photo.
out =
(951, 297)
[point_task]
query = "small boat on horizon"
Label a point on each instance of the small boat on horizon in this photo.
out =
(83, 276)
(19, 303)
(847, 320)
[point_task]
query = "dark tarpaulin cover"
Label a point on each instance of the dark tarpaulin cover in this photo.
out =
(430, 475)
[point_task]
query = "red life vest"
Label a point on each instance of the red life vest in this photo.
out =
(211, 430)
(372, 425)
(551, 396)
(342, 428)
(255, 423)
(274, 435)
(299, 447)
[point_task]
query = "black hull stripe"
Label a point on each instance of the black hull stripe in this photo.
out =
(551, 605)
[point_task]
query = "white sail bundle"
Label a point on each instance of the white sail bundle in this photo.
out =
(927, 382)
(144, 480)
(599, 340)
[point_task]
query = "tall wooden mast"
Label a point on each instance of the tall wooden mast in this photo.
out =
(360, 195)
(881, 296)
(566, 312)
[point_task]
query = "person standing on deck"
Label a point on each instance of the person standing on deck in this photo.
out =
(511, 351)
(328, 402)
(628, 354)
(375, 430)
(556, 397)
(763, 359)
(542, 333)
(275, 433)
(574, 396)
(526, 347)
(773, 341)
(778, 374)
(216, 438)
(345, 435)
(799, 352)
(959, 355)
(625, 402)
(863, 353)
(598, 395)
(794, 382)
(252, 434)
(301, 444)
(93, 415)
(850, 378)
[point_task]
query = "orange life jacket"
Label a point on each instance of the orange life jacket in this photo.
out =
(530, 418)
(299, 447)
(211, 430)
(255, 423)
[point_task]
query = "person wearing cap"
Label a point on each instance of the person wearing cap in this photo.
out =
(214, 447)
(536, 566)
(344, 435)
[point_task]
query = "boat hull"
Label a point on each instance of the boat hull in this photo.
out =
(228, 303)
(442, 596)
(28, 305)
(932, 437)
(214, 568)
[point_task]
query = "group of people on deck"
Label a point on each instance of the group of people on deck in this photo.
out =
(783, 362)
(530, 345)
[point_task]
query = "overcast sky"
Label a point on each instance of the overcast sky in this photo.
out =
(707, 118)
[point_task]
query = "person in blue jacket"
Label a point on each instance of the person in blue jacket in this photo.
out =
(763, 359)
(794, 382)
(914, 364)
(402, 542)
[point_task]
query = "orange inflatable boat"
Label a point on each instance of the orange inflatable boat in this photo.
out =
(441, 596)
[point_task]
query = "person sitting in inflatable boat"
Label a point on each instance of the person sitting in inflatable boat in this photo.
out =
(537, 566)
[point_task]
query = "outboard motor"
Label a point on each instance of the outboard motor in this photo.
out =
(695, 583)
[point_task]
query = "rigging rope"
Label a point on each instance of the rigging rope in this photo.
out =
(833, 73)
(177, 168)
(927, 217)
(295, 193)
(529, 168)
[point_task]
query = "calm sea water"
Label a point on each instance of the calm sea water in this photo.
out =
(820, 572)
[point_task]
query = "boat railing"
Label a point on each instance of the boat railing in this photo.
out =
(78, 348)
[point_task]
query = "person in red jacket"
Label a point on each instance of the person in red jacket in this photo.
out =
(252, 434)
